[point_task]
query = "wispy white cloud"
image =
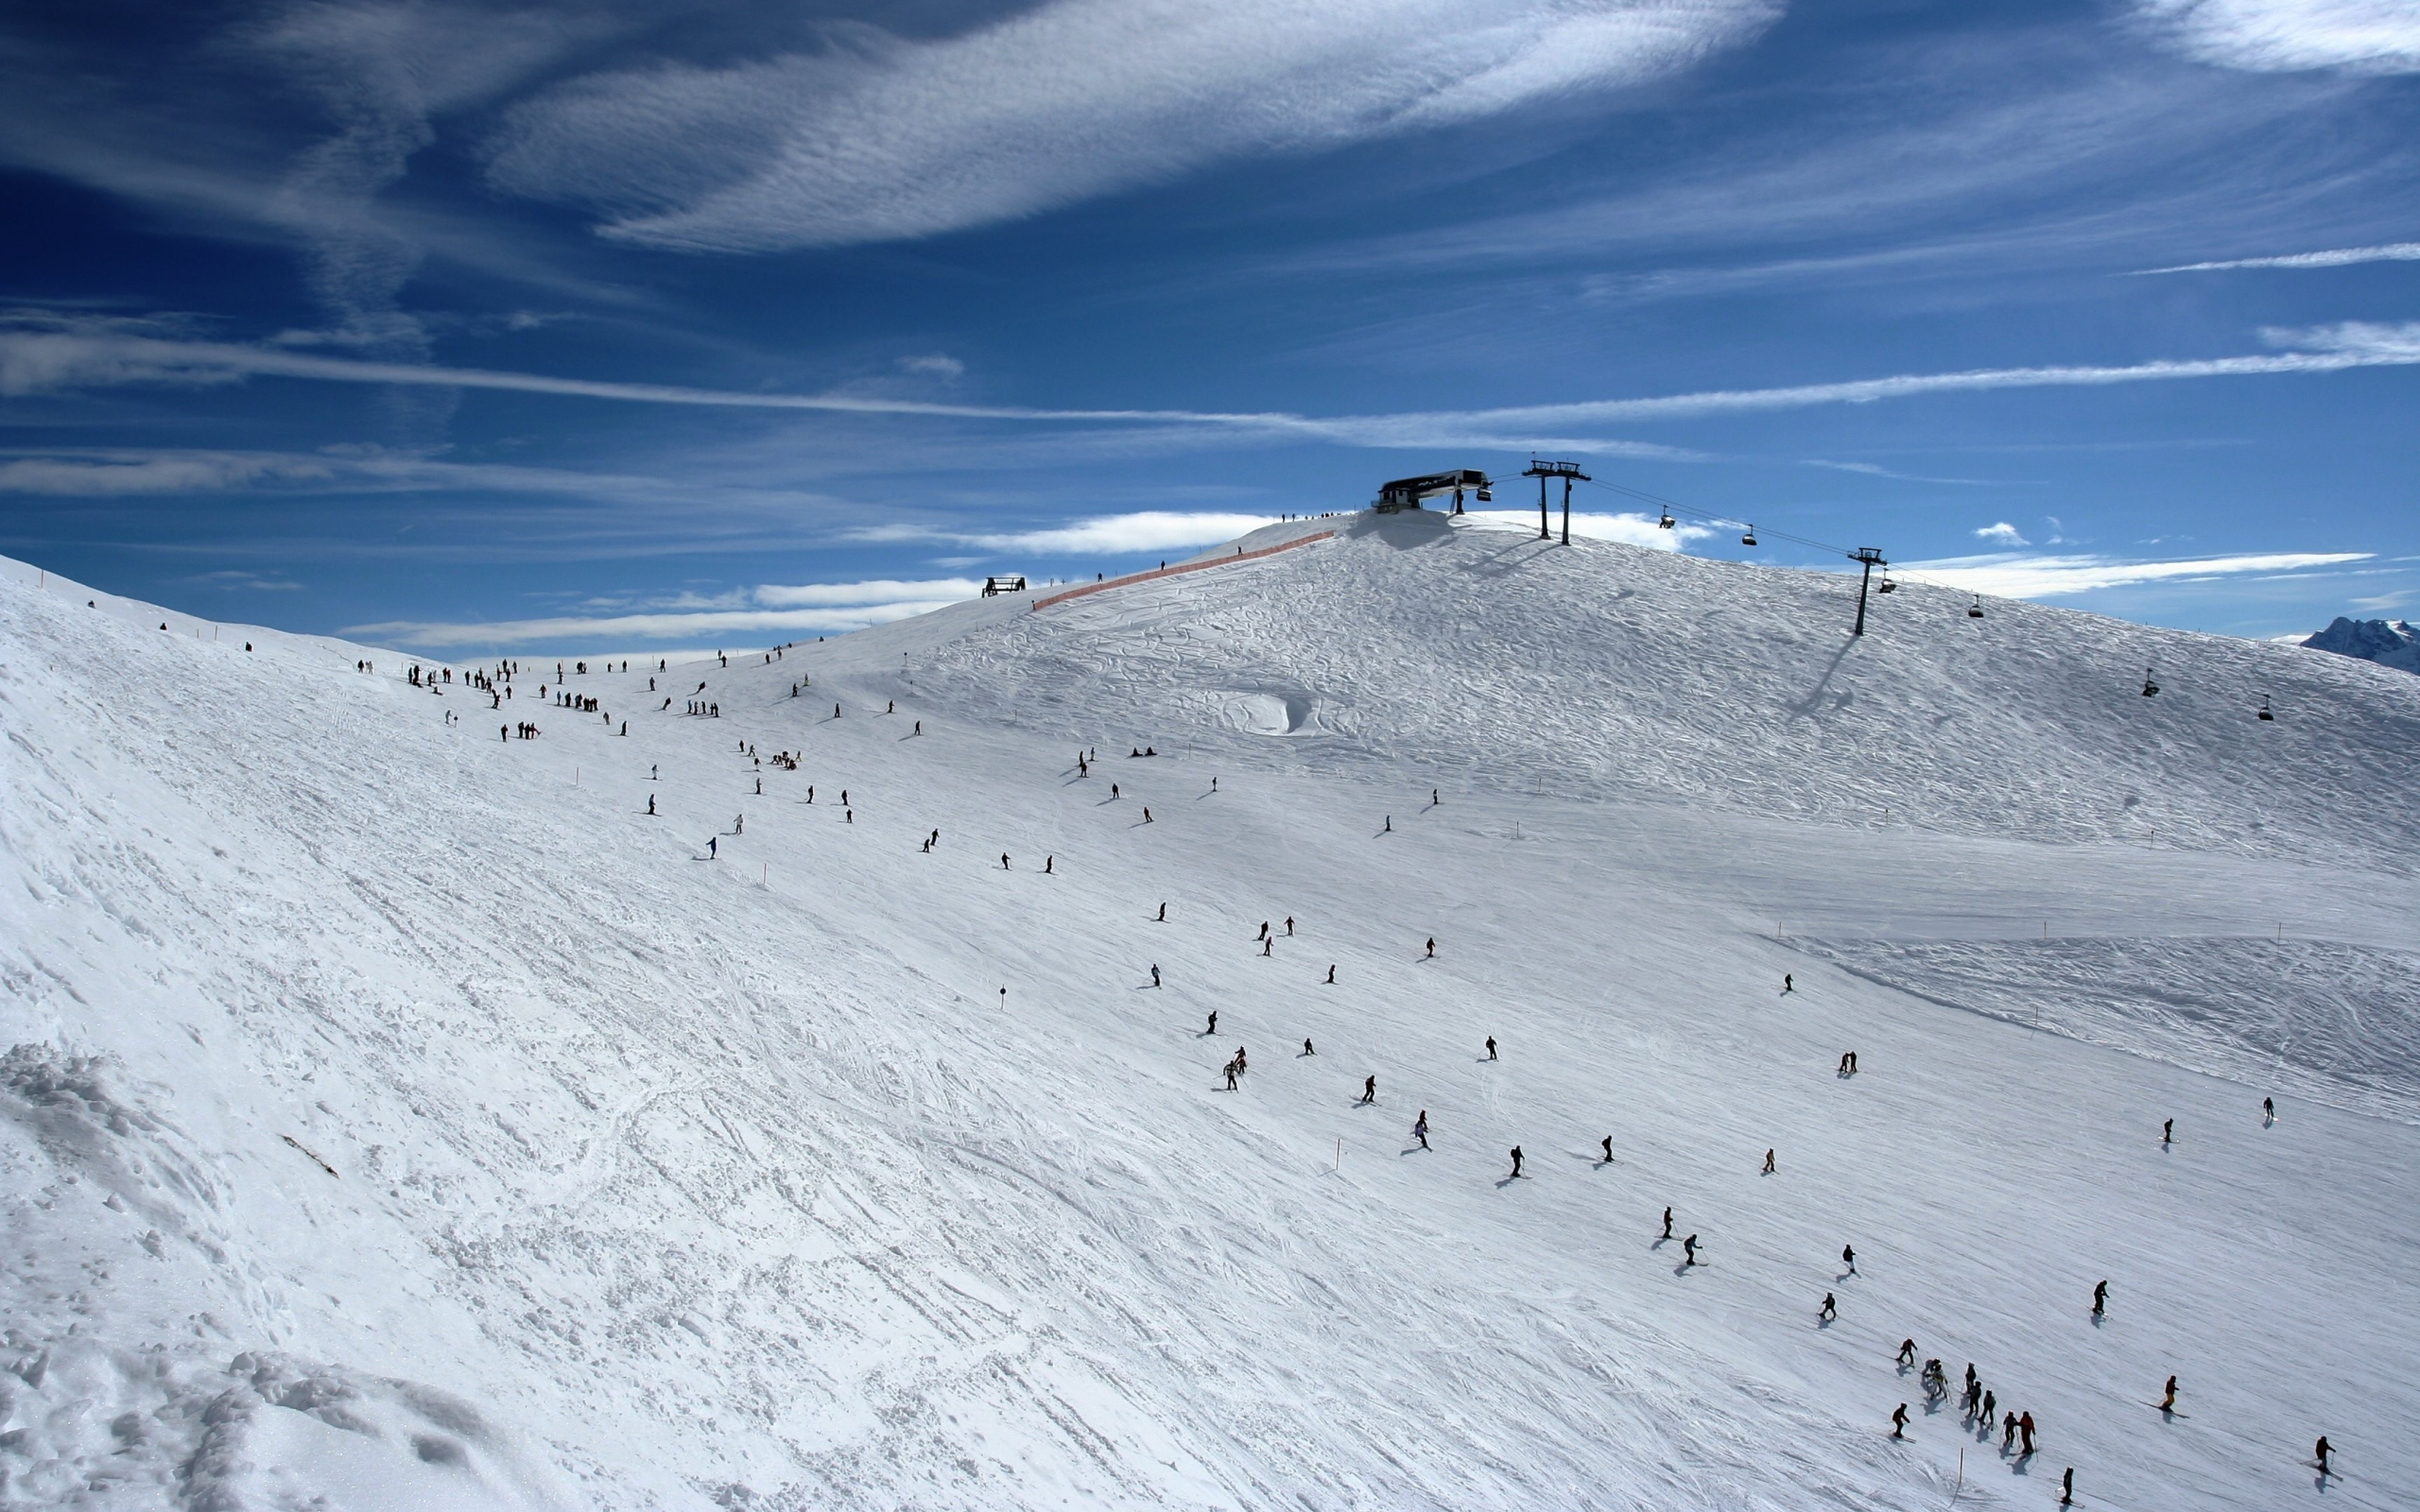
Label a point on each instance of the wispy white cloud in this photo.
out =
(2055, 576)
(767, 611)
(51, 354)
(874, 138)
(236, 578)
(2339, 257)
(1112, 535)
(1873, 470)
(2291, 36)
(876, 591)
(2002, 534)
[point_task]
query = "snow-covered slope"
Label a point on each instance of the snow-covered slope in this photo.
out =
(402, 1116)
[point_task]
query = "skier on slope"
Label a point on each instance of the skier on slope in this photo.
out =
(2068, 1487)
(1829, 1311)
(1290, 926)
(1331, 976)
(1769, 1162)
(1609, 1149)
(2167, 1402)
(1516, 1161)
(1214, 1025)
(710, 848)
(1848, 1258)
(1163, 913)
(1667, 1223)
(2024, 1430)
(1906, 1353)
(651, 803)
(1155, 974)
(1370, 1089)
(1420, 1128)
(1432, 948)
(1491, 1047)
(1307, 1050)
(1899, 1421)
(2099, 1297)
(1689, 1250)
(2322, 1450)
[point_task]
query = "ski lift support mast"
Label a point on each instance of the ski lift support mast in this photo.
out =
(1565, 470)
(1870, 558)
(1406, 494)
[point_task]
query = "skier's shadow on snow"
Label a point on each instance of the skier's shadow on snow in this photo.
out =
(1506, 1182)
(1415, 1149)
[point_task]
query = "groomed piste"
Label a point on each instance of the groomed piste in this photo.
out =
(401, 1115)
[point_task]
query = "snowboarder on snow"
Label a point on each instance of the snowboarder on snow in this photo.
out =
(2099, 1297)
(2168, 1131)
(1899, 1421)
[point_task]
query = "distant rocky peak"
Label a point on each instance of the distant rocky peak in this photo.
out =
(2389, 642)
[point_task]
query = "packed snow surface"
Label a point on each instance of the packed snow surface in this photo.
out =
(403, 1116)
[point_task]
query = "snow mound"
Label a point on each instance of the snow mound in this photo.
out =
(1482, 656)
(2332, 1022)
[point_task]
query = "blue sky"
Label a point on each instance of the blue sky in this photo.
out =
(496, 329)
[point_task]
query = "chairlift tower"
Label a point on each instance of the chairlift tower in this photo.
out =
(1565, 470)
(1872, 558)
